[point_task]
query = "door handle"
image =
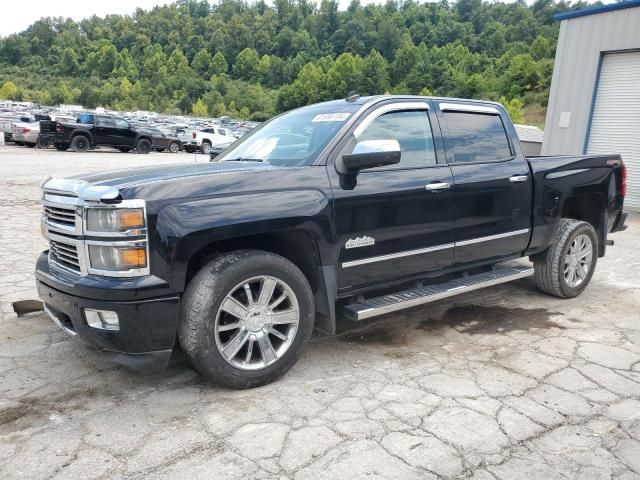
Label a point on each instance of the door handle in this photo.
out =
(437, 186)
(518, 178)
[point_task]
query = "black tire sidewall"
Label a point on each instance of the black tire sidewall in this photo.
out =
(206, 356)
(586, 229)
(78, 140)
(143, 146)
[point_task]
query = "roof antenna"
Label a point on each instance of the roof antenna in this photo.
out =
(352, 96)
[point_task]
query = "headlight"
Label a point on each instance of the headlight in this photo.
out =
(115, 219)
(114, 258)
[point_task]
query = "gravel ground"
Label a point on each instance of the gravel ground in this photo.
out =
(501, 383)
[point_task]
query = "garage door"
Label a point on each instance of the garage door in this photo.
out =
(615, 127)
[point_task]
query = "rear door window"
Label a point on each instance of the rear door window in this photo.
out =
(477, 137)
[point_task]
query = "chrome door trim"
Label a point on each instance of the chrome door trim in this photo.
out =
(392, 107)
(518, 178)
(391, 256)
(491, 237)
(459, 107)
(420, 251)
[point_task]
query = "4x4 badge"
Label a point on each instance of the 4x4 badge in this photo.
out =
(359, 242)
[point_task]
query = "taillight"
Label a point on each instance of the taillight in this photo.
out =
(193, 134)
(623, 187)
(26, 130)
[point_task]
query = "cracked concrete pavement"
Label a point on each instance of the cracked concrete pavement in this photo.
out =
(503, 383)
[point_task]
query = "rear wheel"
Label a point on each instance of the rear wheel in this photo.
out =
(143, 146)
(80, 144)
(246, 317)
(174, 147)
(189, 149)
(566, 268)
(205, 148)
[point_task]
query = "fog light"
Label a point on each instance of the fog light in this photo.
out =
(102, 319)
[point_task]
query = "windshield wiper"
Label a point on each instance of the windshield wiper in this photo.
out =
(244, 159)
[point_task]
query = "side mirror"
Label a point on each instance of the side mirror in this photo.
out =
(370, 154)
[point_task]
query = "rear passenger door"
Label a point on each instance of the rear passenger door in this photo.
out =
(492, 183)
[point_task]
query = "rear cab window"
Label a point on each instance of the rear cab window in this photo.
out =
(477, 137)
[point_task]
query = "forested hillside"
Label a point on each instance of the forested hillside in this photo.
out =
(253, 60)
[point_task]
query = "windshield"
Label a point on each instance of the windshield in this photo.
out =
(293, 139)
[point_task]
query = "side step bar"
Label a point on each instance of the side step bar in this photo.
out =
(392, 302)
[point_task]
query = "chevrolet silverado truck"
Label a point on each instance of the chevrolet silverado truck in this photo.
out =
(91, 131)
(356, 207)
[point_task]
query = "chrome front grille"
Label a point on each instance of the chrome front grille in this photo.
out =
(60, 216)
(64, 254)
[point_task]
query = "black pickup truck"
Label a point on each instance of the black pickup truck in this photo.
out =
(357, 207)
(91, 131)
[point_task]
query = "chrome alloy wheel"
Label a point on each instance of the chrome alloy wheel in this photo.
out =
(577, 260)
(257, 322)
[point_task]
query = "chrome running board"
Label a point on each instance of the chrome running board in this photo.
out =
(393, 302)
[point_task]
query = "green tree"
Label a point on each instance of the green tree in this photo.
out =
(125, 67)
(68, 64)
(246, 64)
(9, 91)
(218, 64)
(375, 75)
(514, 108)
(201, 62)
(199, 108)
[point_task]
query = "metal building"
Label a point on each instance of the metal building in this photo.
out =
(594, 102)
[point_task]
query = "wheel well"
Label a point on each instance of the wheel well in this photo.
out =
(298, 246)
(81, 133)
(587, 208)
(206, 140)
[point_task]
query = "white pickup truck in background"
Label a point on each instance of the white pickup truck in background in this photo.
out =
(206, 138)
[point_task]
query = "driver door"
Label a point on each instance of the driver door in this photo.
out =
(397, 222)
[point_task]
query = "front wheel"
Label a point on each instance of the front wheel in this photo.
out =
(246, 317)
(205, 148)
(143, 146)
(566, 268)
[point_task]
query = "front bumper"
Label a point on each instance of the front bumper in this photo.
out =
(147, 311)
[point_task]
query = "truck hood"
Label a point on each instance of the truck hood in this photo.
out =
(133, 177)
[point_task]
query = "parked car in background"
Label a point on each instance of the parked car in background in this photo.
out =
(101, 130)
(218, 149)
(25, 133)
(206, 138)
(160, 141)
(8, 119)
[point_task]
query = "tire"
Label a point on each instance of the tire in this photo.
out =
(61, 147)
(552, 269)
(189, 149)
(143, 146)
(80, 144)
(124, 149)
(201, 315)
(174, 147)
(41, 143)
(205, 148)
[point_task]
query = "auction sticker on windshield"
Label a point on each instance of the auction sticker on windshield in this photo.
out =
(331, 117)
